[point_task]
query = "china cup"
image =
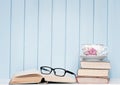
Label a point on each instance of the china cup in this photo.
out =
(94, 51)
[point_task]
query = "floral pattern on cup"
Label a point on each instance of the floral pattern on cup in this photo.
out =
(94, 50)
(91, 51)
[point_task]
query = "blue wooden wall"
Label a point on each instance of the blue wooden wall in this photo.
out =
(50, 32)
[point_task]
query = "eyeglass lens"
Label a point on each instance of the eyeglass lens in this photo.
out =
(59, 72)
(46, 70)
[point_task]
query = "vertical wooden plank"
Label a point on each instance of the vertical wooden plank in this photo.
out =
(72, 35)
(100, 22)
(17, 36)
(113, 36)
(58, 36)
(44, 55)
(79, 59)
(31, 26)
(5, 7)
(86, 22)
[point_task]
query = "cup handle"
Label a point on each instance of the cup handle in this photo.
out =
(104, 52)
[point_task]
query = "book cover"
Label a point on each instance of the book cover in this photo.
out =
(93, 73)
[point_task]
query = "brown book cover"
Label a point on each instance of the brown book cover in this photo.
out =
(92, 80)
(32, 77)
(93, 72)
(95, 65)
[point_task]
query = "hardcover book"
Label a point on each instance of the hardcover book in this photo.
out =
(33, 77)
(93, 73)
(95, 65)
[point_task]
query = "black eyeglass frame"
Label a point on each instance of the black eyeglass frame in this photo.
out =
(53, 69)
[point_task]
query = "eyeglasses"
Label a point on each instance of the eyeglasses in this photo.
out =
(57, 71)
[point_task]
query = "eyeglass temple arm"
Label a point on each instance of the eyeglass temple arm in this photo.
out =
(71, 73)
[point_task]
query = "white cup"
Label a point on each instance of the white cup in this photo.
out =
(100, 48)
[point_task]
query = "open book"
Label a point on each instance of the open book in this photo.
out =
(27, 77)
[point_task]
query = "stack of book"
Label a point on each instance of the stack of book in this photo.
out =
(94, 65)
(94, 72)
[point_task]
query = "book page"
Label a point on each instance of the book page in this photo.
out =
(28, 72)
